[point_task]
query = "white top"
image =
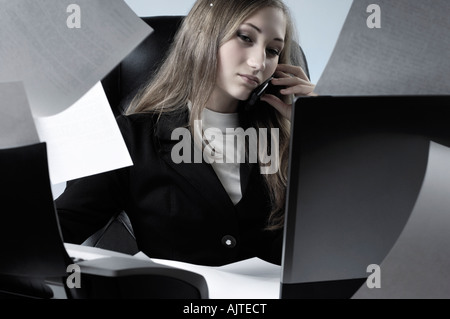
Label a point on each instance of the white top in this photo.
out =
(221, 149)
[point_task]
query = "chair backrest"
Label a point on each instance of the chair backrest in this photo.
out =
(124, 81)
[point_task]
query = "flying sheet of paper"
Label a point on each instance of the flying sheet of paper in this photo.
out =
(61, 48)
(401, 47)
(84, 139)
(16, 121)
(418, 265)
(248, 279)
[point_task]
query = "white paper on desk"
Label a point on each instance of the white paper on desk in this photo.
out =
(418, 265)
(16, 121)
(84, 139)
(59, 64)
(408, 55)
(91, 253)
(248, 279)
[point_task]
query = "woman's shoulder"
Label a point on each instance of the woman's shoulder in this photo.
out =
(152, 122)
(137, 119)
(136, 128)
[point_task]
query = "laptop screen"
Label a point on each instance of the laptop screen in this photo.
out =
(356, 168)
(32, 248)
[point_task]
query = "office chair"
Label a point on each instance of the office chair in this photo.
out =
(120, 86)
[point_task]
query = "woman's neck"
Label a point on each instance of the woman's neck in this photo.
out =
(222, 103)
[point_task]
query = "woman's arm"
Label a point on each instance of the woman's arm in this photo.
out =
(88, 203)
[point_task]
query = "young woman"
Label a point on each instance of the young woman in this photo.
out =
(185, 202)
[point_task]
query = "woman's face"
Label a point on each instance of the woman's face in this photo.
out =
(250, 56)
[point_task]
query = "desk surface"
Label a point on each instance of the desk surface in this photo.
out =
(248, 279)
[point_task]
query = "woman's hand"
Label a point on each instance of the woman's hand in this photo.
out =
(295, 81)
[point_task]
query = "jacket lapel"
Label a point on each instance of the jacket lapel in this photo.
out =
(246, 170)
(200, 175)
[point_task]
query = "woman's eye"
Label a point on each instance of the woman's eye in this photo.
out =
(244, 38)
(273, 52)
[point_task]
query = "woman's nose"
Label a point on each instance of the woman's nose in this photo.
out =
(257, 59)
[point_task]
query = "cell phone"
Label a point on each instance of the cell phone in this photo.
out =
(256, 94)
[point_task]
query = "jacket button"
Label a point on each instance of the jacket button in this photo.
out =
(229, 241)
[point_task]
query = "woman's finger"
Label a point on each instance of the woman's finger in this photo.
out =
(294, 80)
(293, 70)
(290, 81)
(279, 105)
(298, 90)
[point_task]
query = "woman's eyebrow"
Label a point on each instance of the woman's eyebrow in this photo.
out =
(260, 31)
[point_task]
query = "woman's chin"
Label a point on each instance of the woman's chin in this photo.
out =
(243, 97)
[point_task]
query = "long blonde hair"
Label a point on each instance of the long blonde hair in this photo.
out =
(189, 73)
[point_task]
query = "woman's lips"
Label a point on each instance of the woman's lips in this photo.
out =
(252, 80)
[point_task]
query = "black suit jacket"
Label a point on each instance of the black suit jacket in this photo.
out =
(178, 211)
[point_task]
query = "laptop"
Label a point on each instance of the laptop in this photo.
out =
(35, 259)
(356, 168)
